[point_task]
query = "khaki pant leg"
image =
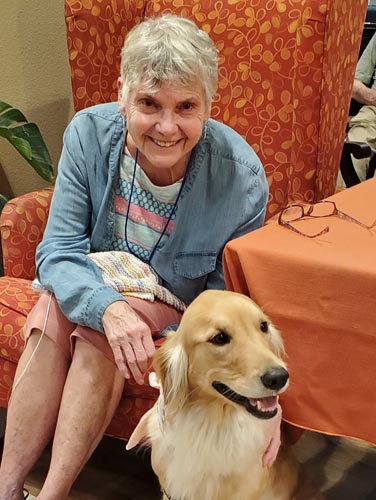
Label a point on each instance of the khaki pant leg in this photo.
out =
(363, 129)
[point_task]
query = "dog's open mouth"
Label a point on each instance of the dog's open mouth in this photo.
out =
(263, 408)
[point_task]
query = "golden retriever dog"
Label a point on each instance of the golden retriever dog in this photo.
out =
(220, 375)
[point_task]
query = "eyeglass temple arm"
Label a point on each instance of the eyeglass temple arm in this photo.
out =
(352, 219)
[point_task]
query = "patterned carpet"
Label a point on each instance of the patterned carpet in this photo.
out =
(342, 469)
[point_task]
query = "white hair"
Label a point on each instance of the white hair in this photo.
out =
(169, 48)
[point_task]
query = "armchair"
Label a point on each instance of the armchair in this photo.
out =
(286, 71)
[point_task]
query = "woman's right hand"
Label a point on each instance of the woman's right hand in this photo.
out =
(130, 339)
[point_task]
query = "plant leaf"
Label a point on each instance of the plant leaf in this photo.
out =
(22, 147)
(3, 201)
(10, 116)
(27, 139)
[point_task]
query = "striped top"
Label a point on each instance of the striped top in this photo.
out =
(149, 211)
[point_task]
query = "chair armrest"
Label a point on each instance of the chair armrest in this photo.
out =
(358, 150)
(22, 223)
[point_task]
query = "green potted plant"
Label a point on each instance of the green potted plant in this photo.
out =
(28, 141)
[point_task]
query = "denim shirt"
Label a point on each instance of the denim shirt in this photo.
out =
(224, 197)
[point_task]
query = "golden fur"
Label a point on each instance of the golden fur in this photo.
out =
(205, 446)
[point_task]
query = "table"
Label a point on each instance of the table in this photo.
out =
(321, 294)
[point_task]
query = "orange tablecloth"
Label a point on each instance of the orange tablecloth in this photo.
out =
(321, 294)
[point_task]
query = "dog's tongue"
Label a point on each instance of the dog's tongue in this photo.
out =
(269, 403)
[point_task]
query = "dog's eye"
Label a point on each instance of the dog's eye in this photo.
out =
(220, 339)
(264, 326)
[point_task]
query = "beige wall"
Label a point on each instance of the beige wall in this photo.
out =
(34, 77)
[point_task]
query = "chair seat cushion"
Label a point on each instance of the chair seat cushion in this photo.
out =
(17, 298)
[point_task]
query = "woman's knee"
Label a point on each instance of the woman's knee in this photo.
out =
(94, 367)
(89, 355)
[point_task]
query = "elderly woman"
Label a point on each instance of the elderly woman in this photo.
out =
(151, 177)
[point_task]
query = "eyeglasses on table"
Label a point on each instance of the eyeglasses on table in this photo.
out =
(295, 212)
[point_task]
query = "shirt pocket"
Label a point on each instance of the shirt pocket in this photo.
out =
(192, 265)
(191, 270)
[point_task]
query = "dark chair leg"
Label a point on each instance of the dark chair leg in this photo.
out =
(348, 171)
(359, 150)
(371, 168)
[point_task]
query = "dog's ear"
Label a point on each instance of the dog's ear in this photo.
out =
(171, 367)
(140, 433)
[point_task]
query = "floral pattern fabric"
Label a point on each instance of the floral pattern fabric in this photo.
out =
(23, 221)
(285, 77)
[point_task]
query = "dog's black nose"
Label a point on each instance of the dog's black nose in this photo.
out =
(275, 378)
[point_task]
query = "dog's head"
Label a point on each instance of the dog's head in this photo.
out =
(225, 350)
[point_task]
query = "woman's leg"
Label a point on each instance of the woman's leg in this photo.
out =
(363, 129)
(92, 391)
(32, 412)
(91, 395)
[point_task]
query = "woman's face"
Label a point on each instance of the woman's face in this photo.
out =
(164, 125)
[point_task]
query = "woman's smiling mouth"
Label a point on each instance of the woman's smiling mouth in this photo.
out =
(164, 144)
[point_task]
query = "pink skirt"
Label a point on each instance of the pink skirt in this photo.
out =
(157, 315)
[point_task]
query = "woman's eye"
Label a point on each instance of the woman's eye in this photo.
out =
(187, 107)
(147, 104)
(221, 338)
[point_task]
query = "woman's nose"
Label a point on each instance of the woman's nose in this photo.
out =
(167, 122)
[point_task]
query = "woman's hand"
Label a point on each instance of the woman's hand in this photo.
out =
(130, 340)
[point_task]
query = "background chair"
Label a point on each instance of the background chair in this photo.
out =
(286, 73)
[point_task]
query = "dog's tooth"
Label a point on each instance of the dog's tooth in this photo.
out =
(258, 404)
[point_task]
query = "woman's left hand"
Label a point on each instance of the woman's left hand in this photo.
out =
(130, 340)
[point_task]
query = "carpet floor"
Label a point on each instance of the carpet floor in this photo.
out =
(342, 469)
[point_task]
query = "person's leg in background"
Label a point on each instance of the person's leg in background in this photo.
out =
(362, 128)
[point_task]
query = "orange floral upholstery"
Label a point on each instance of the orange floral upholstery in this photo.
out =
(23, 221)
(16, 300)
(286, 71)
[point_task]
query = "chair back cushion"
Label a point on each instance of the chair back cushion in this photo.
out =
(285, 77)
